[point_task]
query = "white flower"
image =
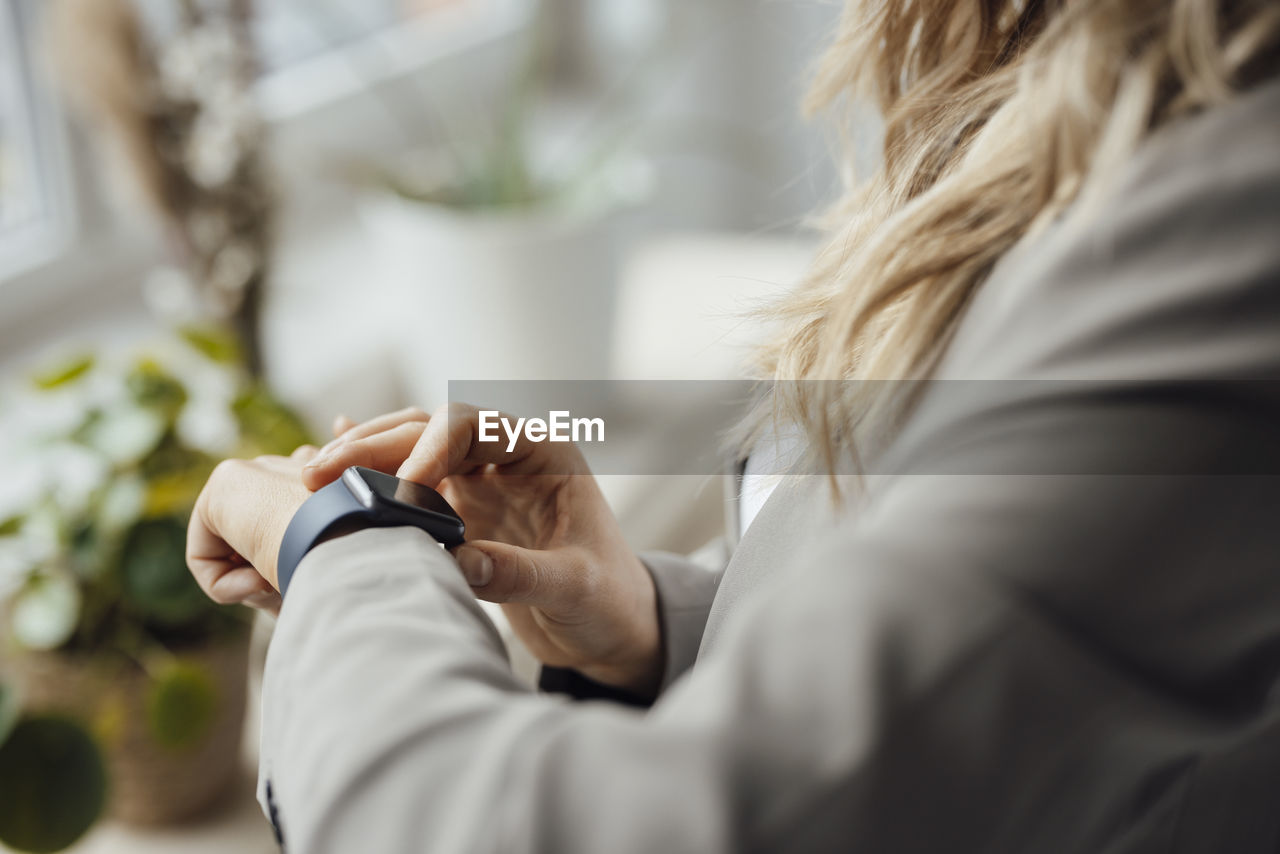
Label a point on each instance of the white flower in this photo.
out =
(25, 481)
(171, 295)
(38, 414)
(179, 72)
(16, 565)
(41, 535)
(126, 433)
(105, 388)
(122, 503)
(208, 227)
(233, 267)
(45, 612)
(218, 144)
(197, 59)
(74, 474)
(208, 383)
(207, 424)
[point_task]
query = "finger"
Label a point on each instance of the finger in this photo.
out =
(378, 425)
(208, 555)
(383, 451)
(243, 585)
(449, 445)
(285, 465)
(342, 424)
(554, 581)
(304, 453)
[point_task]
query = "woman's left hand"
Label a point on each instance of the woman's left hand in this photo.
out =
(237, 525)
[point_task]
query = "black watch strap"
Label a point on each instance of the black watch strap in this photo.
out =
(330, 507)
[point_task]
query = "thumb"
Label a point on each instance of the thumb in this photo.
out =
(499, 572)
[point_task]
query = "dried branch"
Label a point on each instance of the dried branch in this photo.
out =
(181, 115)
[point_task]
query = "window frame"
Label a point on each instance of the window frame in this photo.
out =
(44, 148)
(94, 262)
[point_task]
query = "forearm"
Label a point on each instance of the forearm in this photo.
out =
(391, 723)
(365, 665)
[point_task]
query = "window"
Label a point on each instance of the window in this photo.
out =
(33, 212)
(56, 230)
(290, 31)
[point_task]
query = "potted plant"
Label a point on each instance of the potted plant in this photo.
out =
(517, 290)
(52, 778)
(501, 238)
(106, 625)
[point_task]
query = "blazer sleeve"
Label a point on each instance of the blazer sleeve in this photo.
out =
(1018, 646)
(685, 591)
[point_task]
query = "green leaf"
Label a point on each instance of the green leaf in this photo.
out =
(125, 434)
(175, 493)
(9, 710)
(120, 504)
(215, 343)
(84, 552)
(53, 784)
(156, 581)
(182, 706)
(155, 388)
(172, 458)
(64, 373)
(267, 426)
(11, 527)
(84, 430)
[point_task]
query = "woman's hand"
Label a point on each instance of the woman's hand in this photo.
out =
(239, 519)
(541, 538)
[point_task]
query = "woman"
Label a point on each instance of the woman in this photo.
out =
(1071, 647)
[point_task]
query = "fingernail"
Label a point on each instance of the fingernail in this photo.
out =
(318, 460)
(477, 567)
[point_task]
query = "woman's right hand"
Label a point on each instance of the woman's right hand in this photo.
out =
(542, 540)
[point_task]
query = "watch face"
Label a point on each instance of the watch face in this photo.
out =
(405, 493)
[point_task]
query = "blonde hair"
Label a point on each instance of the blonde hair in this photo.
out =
(998, 115)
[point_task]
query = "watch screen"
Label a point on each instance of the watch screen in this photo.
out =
(405, 492)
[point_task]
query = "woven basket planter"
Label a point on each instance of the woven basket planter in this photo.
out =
(155, 777)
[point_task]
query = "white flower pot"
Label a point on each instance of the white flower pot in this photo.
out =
(496, 295)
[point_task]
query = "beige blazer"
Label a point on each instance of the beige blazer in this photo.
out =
(1053, 624)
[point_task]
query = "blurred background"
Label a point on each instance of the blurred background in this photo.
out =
(223, 222)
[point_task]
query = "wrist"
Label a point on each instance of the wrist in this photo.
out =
(272, 525)
(360, 498)
(638, 666)
(641, 677)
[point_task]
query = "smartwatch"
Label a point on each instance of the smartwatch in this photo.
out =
(363, 498)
